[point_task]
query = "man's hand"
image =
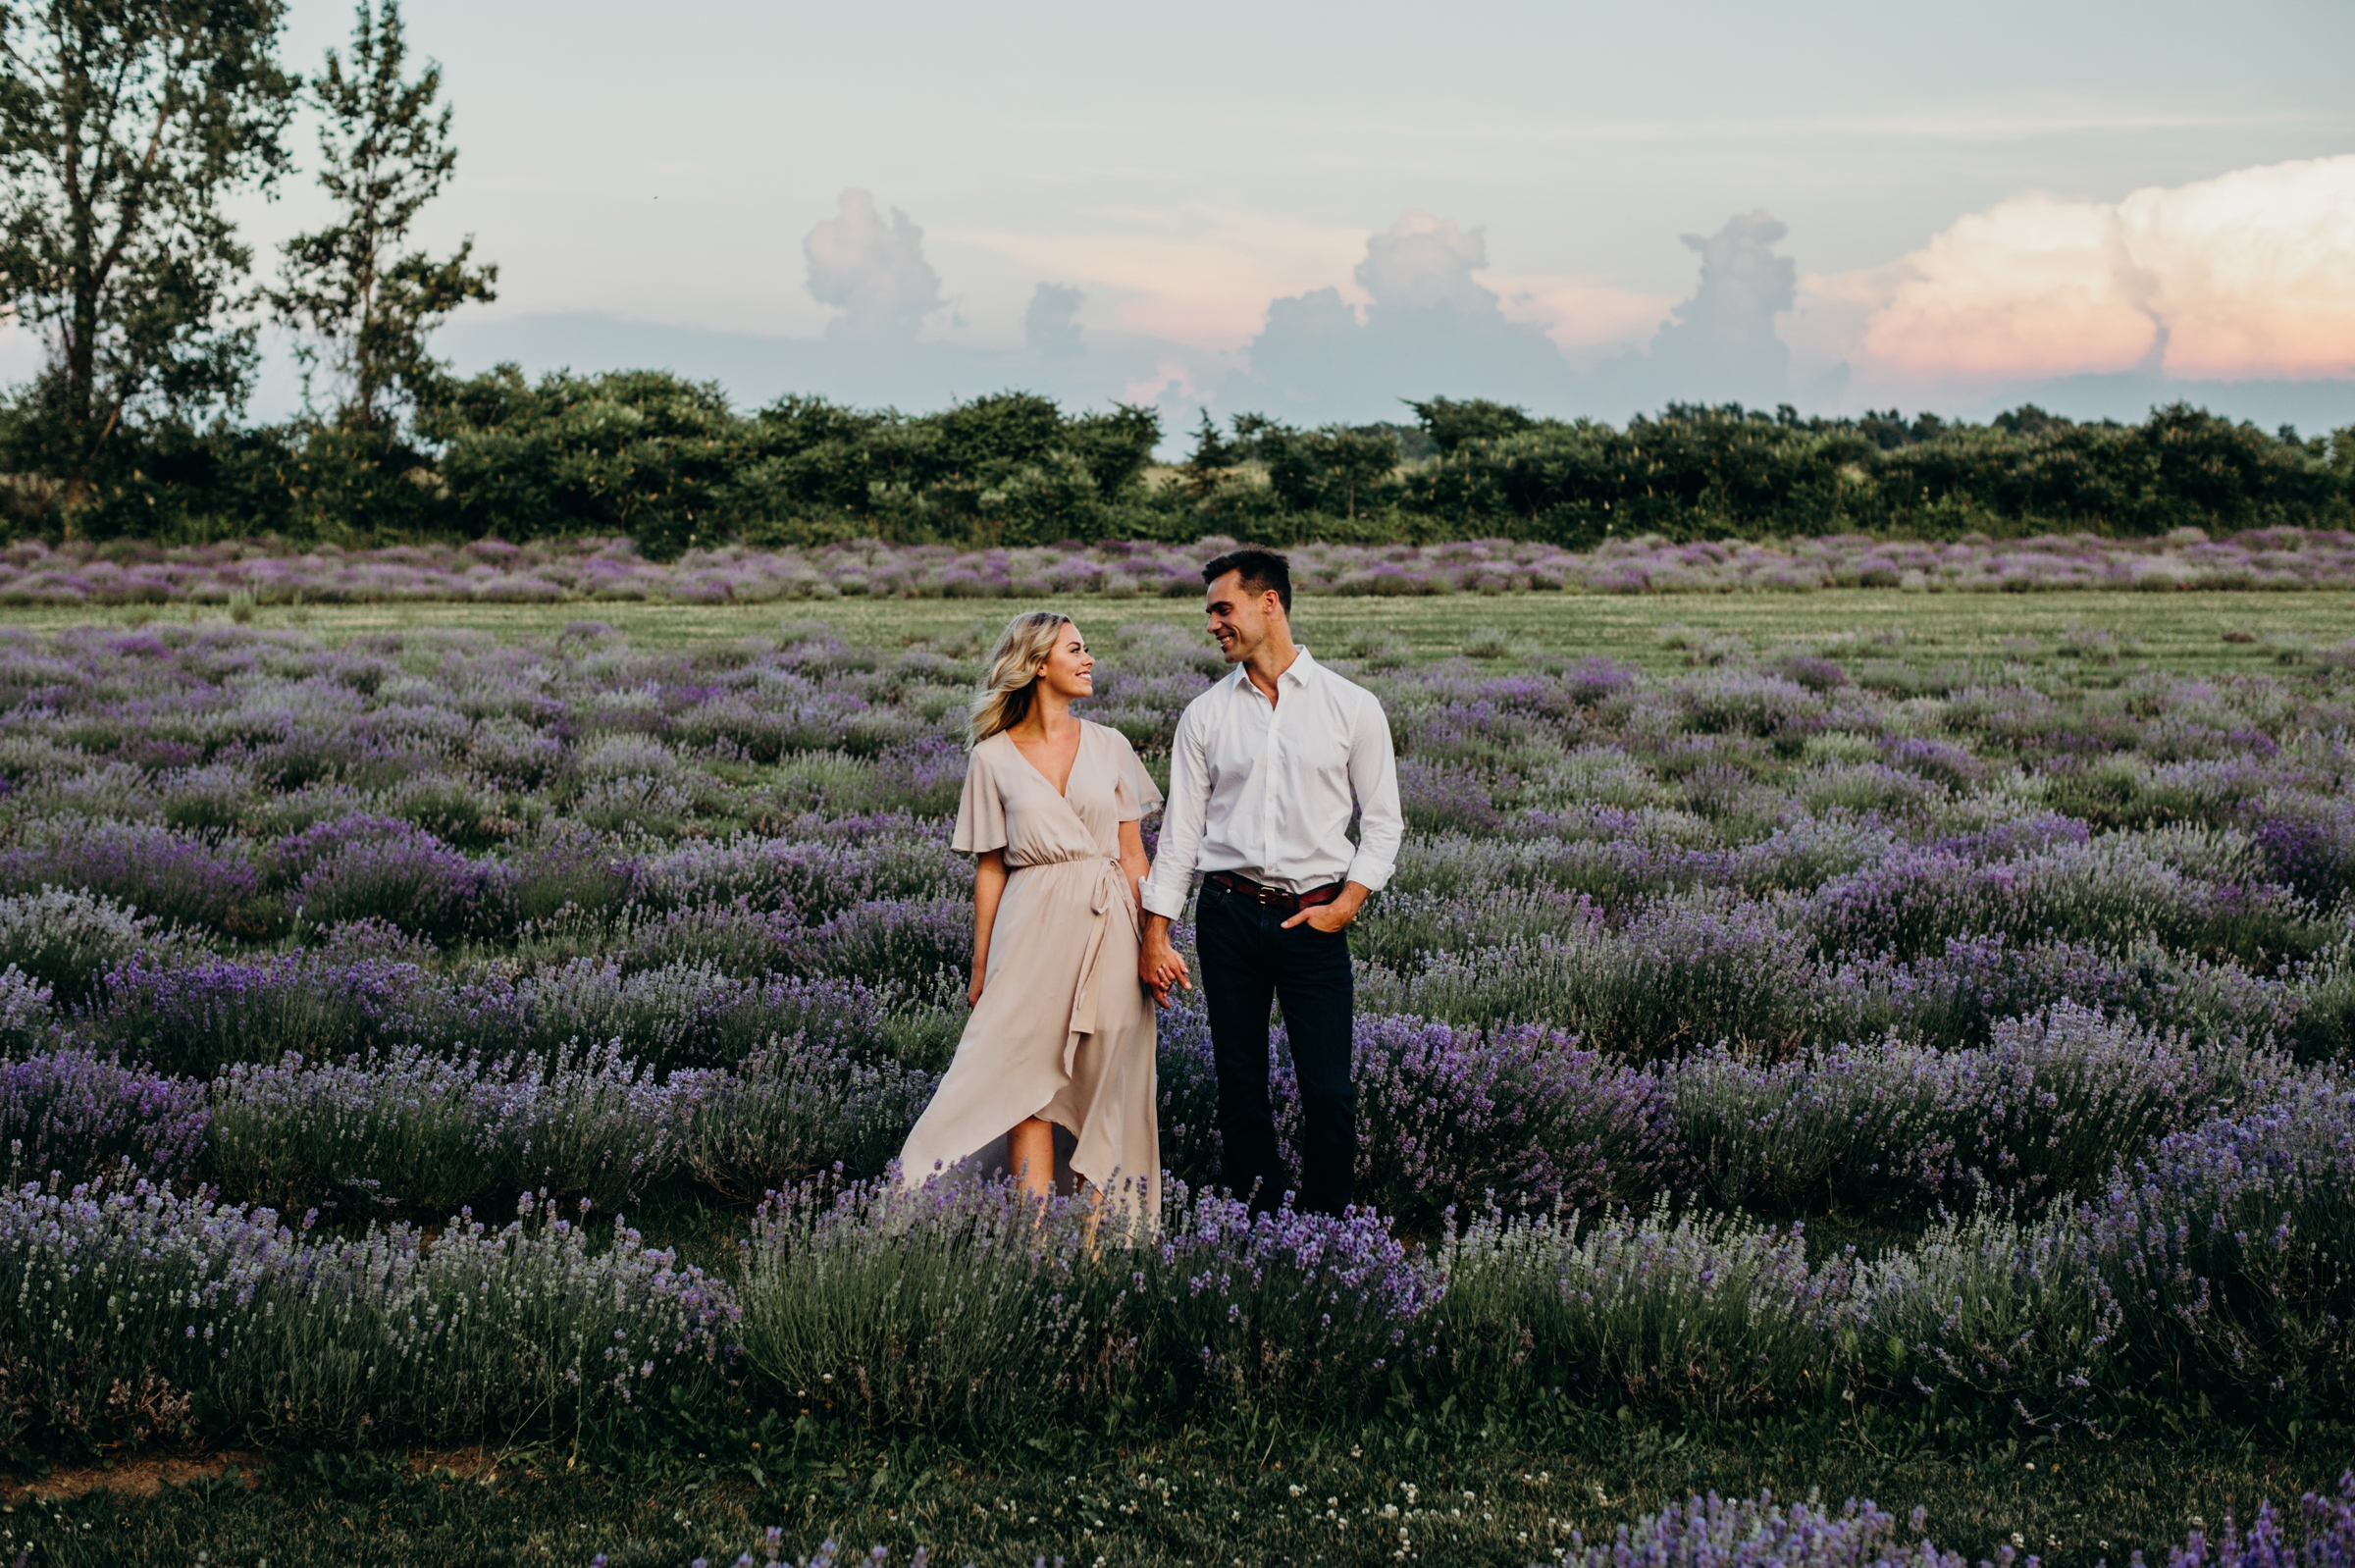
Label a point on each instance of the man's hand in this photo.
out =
(1158, 964)
(1332, 916)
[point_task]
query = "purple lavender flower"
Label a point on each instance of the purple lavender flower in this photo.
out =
(82, 1117)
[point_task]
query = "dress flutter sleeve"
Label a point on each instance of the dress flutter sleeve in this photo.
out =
(1131, 785)
(981, 810)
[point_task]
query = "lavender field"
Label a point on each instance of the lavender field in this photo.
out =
(559, 571)
(1811, 1027)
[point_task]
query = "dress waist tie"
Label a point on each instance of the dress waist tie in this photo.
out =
(1111, 892)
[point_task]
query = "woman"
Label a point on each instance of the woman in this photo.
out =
(1062, 1033)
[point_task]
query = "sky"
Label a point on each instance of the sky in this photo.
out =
(1318, 210)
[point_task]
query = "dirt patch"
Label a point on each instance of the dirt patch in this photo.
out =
(465, 1463)
(130, 1478)
(147, 1475)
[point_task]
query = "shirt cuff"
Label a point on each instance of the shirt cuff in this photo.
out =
(1370, 875)
(1160, 901)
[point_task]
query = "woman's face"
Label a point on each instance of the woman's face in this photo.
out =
(1070, 669)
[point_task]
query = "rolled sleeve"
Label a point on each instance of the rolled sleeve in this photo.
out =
(1373, 779)
(1183, 815)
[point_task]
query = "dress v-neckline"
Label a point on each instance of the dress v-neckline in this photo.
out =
(1064, 794)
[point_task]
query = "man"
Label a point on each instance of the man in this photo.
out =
(1268, 767)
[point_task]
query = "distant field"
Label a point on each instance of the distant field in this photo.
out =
(2183, 631)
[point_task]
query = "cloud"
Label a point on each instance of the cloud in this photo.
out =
(1424, 263)
(2250, 275)
(1430, 327)
(873, 272)
(1587, 318)
(1722, 341)
(1195, 275)
(1051, 326)
(1722, 344)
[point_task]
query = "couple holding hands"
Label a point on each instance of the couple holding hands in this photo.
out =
(1055, 1076)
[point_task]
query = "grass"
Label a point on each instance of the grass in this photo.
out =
(2182, 632)
(1198, 1497)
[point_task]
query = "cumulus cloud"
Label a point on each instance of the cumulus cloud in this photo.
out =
(2249, 274)
(1198, 275)
(1430, 327)
(1587, 318)
(1051, 326)
(1425, 263)
(872, 271)
(1721, 344)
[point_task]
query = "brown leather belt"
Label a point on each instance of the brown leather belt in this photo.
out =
(1276, 897)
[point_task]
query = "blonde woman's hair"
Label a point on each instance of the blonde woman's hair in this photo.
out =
(1012, 679)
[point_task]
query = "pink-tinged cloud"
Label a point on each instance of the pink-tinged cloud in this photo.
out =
(1201, 276)
(2248, 274)
(1587, 319)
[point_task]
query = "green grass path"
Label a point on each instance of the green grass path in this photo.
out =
(2174, 631)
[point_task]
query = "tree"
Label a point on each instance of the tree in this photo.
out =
(1452, 422)
(1335, 469)
(123, 127)
(366, 304)
(1213, 456)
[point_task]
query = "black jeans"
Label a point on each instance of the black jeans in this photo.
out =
(1248, 960)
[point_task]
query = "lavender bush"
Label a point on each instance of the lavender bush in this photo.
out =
(184, 1315)
(64, 940)
(79, 1116)
(2050, 1106)
(199, 1017)
(156, 871)
(403, 1129)
(1714, 1531)
(797, 1106)
(963, 1301)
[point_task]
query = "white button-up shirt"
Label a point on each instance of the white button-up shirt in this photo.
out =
(1266, 789)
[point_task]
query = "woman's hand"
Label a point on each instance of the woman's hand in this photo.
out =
(972, 991)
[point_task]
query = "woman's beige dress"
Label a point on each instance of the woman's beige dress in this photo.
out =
(1062, 1031)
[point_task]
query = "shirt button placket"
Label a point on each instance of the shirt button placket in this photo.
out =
(1268, 797)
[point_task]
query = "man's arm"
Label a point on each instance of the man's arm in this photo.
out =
(1381, 825)
(1373, 779)
(1164, 891)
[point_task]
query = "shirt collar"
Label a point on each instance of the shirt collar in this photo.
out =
(1295, 674)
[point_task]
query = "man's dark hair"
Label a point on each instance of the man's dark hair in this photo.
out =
(1260, 569)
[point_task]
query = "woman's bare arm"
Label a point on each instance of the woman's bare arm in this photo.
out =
(1133, 865)
(989, 885)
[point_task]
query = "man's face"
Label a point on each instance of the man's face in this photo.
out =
(1239, 619)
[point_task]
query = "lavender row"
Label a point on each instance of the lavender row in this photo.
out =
(562, 570)
(405, 1131)
(1715, 1532)
(134, 1313)
(1764, 1532)
(2212, 1259)
(269, 734)
(1453, 1120)
(1935, 946)
(1686, 974)
(200, 1017)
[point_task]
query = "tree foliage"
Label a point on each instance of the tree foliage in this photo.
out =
(364, 303)
(668, 463)
(124, 127)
